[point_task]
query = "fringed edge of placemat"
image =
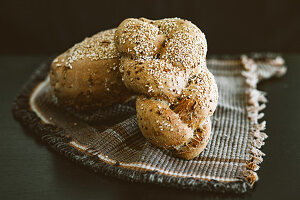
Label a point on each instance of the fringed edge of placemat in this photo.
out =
(256, 103)
(55, 138)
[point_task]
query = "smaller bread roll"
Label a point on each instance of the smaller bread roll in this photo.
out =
(87, 75)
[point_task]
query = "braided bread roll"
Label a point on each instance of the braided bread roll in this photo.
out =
(87, 75)
(165, 62)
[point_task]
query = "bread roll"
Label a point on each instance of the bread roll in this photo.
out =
(87, 75)
(164, 61)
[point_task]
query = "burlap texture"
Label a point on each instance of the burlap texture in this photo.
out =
(110, 142)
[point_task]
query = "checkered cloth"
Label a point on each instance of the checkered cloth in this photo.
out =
(110, 142)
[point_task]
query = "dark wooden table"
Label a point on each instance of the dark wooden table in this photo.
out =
(30, 170)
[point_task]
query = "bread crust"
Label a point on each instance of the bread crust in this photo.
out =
(198, 142)
(161, 125)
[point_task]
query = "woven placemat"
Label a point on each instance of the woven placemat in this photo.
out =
(109, 141)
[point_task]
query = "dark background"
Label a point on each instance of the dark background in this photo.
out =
(29, 170)
(52, 26)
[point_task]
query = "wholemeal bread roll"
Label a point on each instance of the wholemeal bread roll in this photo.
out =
(165, 62)
(87, 75)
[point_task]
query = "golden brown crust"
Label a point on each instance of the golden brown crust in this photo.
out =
(160, 125)
(164, 128)
(185, 43)
(157, 78)
(197, 144)
(87, 75)
(138, 38)
(198, 100)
